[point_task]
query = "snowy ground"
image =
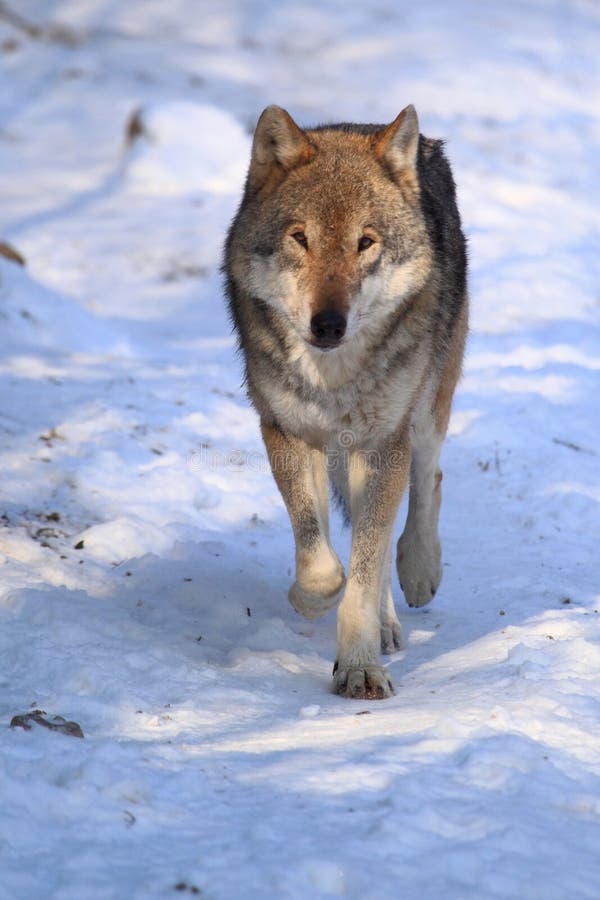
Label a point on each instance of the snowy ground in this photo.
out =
(215, 760)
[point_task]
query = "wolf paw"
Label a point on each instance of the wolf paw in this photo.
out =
(419, 570)
(362, 682)
(391, 637)
(312, 605)
(320, 590)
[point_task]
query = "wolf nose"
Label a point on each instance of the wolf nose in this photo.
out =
(328, 328)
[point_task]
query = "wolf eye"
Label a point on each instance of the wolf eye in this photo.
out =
(300, 238)
(364, 243)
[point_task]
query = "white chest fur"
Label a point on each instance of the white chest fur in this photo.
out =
(343, 392)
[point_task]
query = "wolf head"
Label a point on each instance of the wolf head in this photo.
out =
(330, 234)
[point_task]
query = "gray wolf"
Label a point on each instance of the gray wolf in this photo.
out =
(345, 271)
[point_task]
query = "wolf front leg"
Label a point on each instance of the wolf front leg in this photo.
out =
(301, 475)
(376, 482)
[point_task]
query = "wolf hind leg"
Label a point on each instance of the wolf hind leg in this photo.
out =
(301, 475)
(419, 554)
(391, 630)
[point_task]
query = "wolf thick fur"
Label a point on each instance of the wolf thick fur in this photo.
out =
(346, 277)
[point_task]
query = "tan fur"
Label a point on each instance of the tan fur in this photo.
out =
(451, 372)
(301, 477)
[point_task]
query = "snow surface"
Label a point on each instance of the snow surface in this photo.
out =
(215, 759)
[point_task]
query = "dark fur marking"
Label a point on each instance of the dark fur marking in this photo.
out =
(308, 531)
(340, 503)
(438, 204)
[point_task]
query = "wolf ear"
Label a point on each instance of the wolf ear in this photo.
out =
(278, 146)
(397, 144)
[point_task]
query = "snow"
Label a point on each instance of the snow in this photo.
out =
(145, 552)
(173, 161)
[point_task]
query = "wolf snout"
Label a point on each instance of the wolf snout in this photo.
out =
(327, 328)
